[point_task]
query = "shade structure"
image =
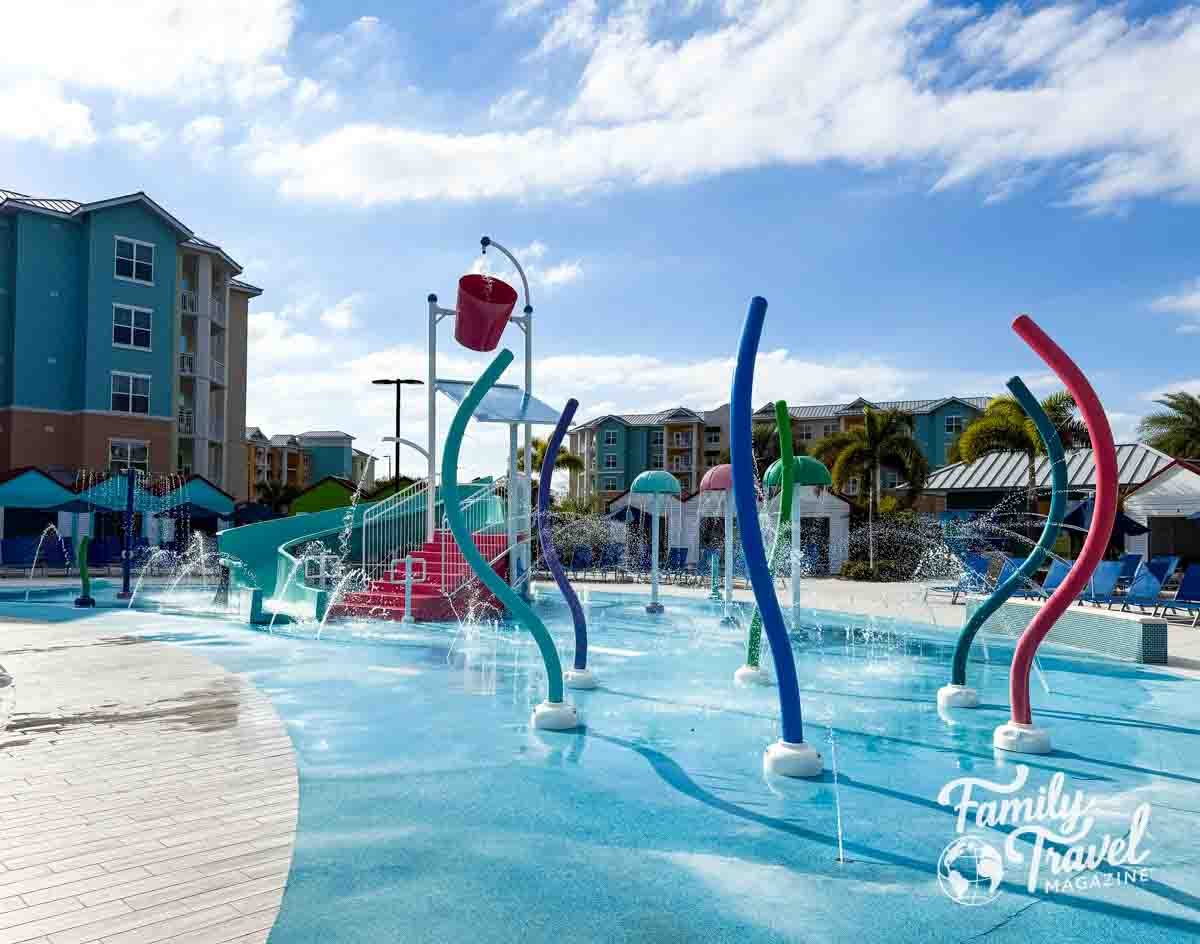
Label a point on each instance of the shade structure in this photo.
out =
(1081, 517)
(504, 403)
(718, 479)
(33, 488)
(655, 482)
(197, 498)
(808, 471)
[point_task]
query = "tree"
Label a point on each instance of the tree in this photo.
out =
(1004, 427)
(565, 459)
(1176, 429)
(764, 442)
(580, 507)
(276, 494)
(884, 438)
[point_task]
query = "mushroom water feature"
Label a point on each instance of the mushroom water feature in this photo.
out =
(1020, 734)
(789, 756)
(578, 676)
(718, 484)
(958, 694)
(655, 483)
(552, 714)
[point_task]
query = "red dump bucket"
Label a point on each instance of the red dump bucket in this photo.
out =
(484, 305)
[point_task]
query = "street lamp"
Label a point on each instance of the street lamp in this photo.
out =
(397, 382)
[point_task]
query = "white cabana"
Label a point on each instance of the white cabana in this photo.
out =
(821, 504)
(1165, 503)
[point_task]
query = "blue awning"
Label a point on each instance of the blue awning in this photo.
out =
(504, 403)
(33, 488)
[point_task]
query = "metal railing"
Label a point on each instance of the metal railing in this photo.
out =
(217, 310)
(187, 302)
(501, 509)
(187, 422)
(187, 363)
(394, 528)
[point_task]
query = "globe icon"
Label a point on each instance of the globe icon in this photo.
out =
(970, 871)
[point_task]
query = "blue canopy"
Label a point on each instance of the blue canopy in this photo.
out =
(33, 488)
(1081, 517)
(504, 403)
(201, 497)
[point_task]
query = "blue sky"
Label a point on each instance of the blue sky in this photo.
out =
(899, 178)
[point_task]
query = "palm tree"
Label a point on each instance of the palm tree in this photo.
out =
(564, 460)
(1175, 430)
(276, 494)
(1004, 427)
(884, 438)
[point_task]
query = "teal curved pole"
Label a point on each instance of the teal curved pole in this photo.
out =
(784, 424)
(1058, 503)
(462, 535)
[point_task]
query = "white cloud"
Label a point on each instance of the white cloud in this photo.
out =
(311, 94)
(539, 275)
(515, 107)
(340, 316)
(518, 8)
(272, 341)
(38, 111)
(562, 273)
(154, 49)
(204, 131)
(1184, 302)
(971, 96)
(145, 136)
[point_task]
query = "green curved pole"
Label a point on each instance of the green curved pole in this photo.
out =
(784, 423)
(462, 536)
(85, 580)
(1058, 504)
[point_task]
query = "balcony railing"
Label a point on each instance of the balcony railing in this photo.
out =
(187, 363)
(187, 422)
(218, 371)
(187, 302)
(217, 310)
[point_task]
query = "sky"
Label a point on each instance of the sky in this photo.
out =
(899, 178)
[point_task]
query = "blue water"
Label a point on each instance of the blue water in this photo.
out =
(430, 811)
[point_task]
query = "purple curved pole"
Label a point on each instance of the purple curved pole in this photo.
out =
(548, 552)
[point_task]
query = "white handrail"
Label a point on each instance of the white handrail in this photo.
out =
(393, 528)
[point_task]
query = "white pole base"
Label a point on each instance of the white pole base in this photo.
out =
(792, 760)
(654, 607)
(550, 716)
(957, 696)
(579, 678)
(1021, 738)
(753, 675)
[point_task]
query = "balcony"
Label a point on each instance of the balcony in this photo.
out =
(217, 310)
(216, 427)
(187, 423)
(188, 303)
(681, 441)
(187, 363)
(218, 372)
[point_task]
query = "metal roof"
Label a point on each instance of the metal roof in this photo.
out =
(855, 407)
(1000, 471)
(66, 207)
(661, 418)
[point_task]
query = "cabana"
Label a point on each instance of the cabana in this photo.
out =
(1167, 504)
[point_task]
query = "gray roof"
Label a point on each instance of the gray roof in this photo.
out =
(325, 434)
(679, 414)
(1000, 471)
(40, 203)
(833, 410)
(284, 439)
(241, 286)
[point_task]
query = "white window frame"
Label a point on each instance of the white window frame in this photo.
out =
(112, 390)
(610, 462)
(658, 437)
(609, 484)
(656, 460)
(961, 424)
(128, 443)
(829, 429)
(610, 437)
(804, 432)
(891, 478)
(135, 243)
(852, 486)
(134, 311)
(712, 437)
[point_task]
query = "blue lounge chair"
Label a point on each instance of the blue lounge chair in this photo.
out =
(1054, 576)
(1143, 592)
(972, 580)
(676, 566)
(1102, 588)
(1129, 566)
(1187, 597)
(1163, 566)
(612, 560)
(581, 561)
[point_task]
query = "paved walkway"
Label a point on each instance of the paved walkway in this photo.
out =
(145, 795)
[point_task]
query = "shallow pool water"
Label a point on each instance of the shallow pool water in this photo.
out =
(430, 811)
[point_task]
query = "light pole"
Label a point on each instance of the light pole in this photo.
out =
(397, 382)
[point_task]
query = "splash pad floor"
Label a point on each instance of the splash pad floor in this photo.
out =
(429, 811)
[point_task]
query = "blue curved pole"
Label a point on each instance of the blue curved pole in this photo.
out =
(549, 553)
(462, 535)
(744, 498)
(1058, 504)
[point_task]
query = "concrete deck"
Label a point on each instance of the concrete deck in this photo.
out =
(145, 794)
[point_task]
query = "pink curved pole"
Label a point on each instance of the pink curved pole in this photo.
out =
(1104, 456)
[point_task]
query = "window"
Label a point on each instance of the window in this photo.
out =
(134, 260)
(712, 436)
(804, 433)
(610, 437)
(656, 437)
(712, 458)
(130, 393)
(610, 462)
(954, 424)
(682, 440)
(126, 454)
(829, 429)
(891, 478)
(852, 486)
(656, 460)
(131, 327)
(610, 485)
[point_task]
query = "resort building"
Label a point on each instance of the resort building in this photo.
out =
(301, 459)
(122, 342)
(936, 423)
(616, 448)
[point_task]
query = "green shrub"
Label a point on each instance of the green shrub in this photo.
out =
(886, 571)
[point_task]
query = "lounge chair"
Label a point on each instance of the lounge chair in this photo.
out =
(1102, 588)
(1129, 566)
(581, 562)
(1143, 592)
(972, 580)
(1163, 567)
(676, 566)
(1187, 597)
(612, 560)
(1054, 576)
